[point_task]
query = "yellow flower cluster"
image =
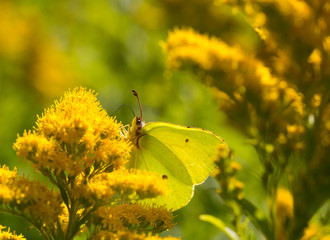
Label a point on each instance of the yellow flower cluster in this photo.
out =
(305, 25)
(254, 93)
(123, 235)
(284, 211)
(277, 95)
(7, 178)
(129, 185)
(230, 187)
(70, 132)
(186, 45)
(7, 235)
(31, 199)
(316, 232)
(138, 217)
(37, 200)
(79, 148)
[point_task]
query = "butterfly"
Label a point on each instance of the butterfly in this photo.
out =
(182, 156)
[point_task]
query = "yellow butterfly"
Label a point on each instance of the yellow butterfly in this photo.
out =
(183, 156)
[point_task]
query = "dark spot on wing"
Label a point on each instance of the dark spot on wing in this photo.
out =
(188, 127)
(164, 177)
(187, 140)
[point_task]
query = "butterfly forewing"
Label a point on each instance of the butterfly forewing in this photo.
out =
(195, 148)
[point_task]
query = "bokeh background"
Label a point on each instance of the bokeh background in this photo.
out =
(113, 46)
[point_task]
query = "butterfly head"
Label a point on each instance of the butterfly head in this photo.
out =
(139, 124)
(135, 130)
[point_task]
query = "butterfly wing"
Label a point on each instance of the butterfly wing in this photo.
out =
(195, 147)
(184, 155)
(153, 156)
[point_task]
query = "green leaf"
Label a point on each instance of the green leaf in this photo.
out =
(219, 224)
(257, 217)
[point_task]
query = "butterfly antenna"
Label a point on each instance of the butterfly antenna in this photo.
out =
(137, 96)
(122, 106)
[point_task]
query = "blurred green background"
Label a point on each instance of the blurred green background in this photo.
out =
(47, 47)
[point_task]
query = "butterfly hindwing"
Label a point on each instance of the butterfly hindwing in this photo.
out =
(153, 156)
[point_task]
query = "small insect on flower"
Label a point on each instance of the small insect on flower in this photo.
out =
(183, 156)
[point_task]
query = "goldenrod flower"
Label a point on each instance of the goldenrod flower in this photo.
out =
(316, 231)
(129, 185)
(28, 198)
(127, 216)
(249, 77)
(226, 172)
(81, 151)
(124, 235)
(78, 119)
(278, 96)
(7, 235)
(284, 211)
(72, 135)
(36, 200)
(297, 10)
(7, 177)
(209, 53)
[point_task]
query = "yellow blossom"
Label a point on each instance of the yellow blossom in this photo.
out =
(7, 175)
(235, 166)
(246, 75)
(186, 44)
(72, 135)
(128, 184)
(6, 193)
(135, 216)
(37, 200)
(77, 118)
(279, 98)
(7, 178)
(326, 44)
(124, 235)
(316, 231)
(315, 59)
(115, 150)
(284, 211)
(42, 152)
(284, 203)
(79, 148)
(298, 10)
(7, 235)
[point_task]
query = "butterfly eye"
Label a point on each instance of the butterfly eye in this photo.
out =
(164, 177)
